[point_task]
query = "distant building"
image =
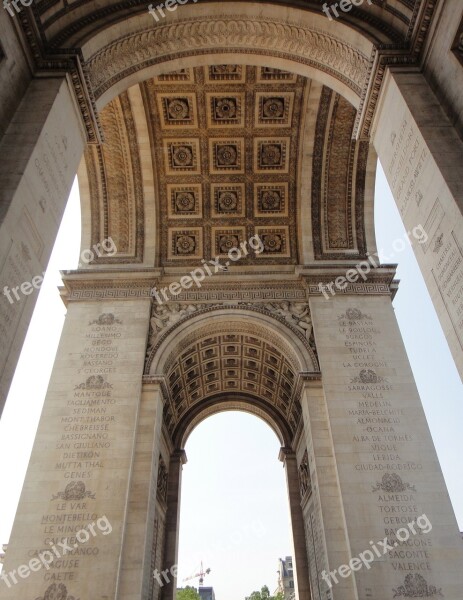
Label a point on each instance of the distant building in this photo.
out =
(286, 577)
(206, 593)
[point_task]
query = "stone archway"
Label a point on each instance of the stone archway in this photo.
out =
(351, 57)
(366, 394)
(231, 358)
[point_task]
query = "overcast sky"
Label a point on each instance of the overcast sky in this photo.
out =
(234, 512)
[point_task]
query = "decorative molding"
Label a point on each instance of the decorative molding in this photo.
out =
(68, 62)
(230, 34)
(378, 281)
(116, 185)
(97, 285)
(176, 316)
(382, 289)
(228, 291)
(154, 45)
(338, 182)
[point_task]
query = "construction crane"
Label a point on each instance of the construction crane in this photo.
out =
(202, 573)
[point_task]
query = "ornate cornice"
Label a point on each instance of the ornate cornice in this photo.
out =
(379, 281)
(107, 285)
(88, 285)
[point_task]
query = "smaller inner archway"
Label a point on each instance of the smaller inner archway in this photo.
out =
(234, 506)
(248, 359)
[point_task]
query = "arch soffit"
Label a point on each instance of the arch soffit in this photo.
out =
(221, 404)
(227, 362)
(292, 39)
(249, 320)
(117, 178)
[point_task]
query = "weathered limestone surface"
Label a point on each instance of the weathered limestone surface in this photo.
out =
(15, 73)
(40, 153)
(387, 471)
(442, 68)
(83, 457)
(421, 154)
(131, 379)
(140, 535)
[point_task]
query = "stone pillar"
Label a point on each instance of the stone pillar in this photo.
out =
(301, 579)
(421, 154)
(324, 519)
(40, 152)
(85, 455)
(140, 541)
(177, 460)
(385, 466)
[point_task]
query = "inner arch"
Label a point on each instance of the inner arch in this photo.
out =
(227, 367)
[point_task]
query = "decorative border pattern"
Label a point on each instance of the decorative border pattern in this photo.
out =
(235, 307)
(232, 34)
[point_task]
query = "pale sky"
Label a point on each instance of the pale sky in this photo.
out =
(234, 511)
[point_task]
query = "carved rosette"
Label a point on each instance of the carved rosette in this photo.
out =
(416, 586)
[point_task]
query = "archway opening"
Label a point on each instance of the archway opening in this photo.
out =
(234, 508)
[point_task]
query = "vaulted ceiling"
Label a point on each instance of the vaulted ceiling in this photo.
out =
(197, 161)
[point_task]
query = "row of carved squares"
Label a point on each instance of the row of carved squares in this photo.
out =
(225, 109)
(226, 155)
(237, 74)
(186, 201)
(226, 73)
(271, 379)
(188, 243)
(198, 391)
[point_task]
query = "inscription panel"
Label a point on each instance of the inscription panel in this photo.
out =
(387, 466)
(76, 486)
(422, 163)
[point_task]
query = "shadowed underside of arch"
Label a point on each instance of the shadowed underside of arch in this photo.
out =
(245, 361)
(110, 47)
(232, 151)
(161, 212)
(232, 402)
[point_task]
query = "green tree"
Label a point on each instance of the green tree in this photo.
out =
(264, 594)
(188, 593)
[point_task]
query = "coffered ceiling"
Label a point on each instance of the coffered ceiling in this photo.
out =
(225, 143)
(217, 154)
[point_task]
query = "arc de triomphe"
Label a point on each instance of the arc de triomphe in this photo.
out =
(246, 132)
